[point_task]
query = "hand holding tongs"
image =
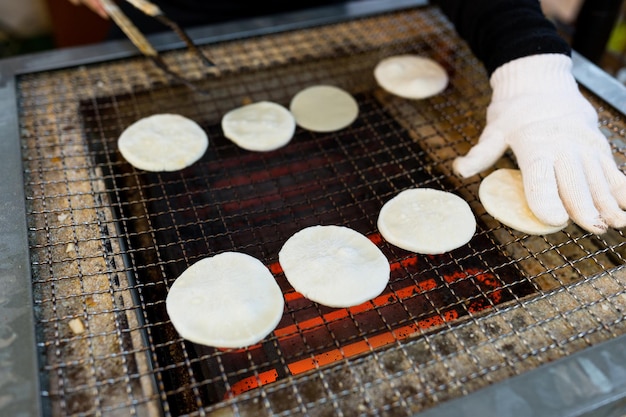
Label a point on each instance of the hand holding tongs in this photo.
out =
(140, 41)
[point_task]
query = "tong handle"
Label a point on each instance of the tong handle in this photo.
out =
(146, 7)
(140, 41)
(128, 28)
(152, 10)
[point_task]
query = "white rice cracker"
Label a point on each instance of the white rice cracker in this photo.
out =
(411, 76)
(163, 142)
(261, 127)
(334, 266)
(324, 108)
(502, 195)
(230, 300)
(427, 221)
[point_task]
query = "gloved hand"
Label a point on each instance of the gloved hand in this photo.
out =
(566, 162)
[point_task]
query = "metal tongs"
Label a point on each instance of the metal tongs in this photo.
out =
(140, 41)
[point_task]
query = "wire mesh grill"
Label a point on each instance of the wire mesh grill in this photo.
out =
(107, 240)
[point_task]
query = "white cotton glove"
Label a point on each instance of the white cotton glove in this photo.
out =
(566, 162)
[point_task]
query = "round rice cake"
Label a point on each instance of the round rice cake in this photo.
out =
(411, 76)
(163, 142)
(427, 221)
(502, 195)
(262, 126)
(230, 300)
(324, 108)
(334, 266)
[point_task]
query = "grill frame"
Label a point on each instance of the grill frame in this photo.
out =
(14, 243)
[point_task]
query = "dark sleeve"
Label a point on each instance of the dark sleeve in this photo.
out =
(499, 31)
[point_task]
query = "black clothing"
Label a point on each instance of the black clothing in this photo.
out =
(497, 31)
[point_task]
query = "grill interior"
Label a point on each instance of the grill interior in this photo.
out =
(107, 240)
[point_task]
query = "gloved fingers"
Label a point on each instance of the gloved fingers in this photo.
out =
(542, 193)
(577, 197)
(606, 186)
(485, 153)
(617, 182)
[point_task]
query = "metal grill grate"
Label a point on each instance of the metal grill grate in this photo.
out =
(234, 200)
(108, 240)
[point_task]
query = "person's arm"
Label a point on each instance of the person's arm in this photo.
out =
(538, 112)
(499, 31)
(95, 5)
